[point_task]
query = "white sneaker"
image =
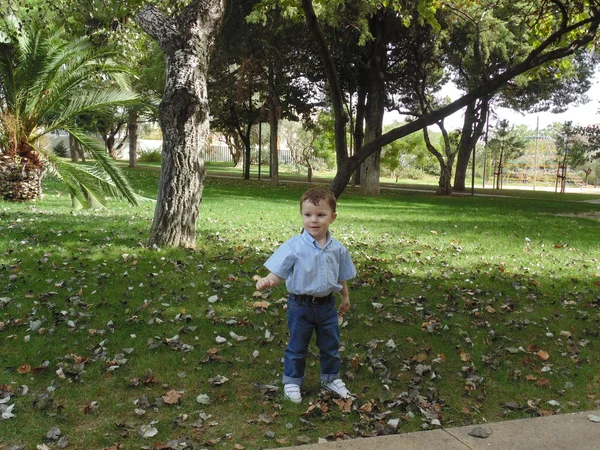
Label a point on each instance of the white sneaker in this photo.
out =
(292, 393)
(338, 387)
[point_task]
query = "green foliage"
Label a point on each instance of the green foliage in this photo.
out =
(60, 149)
(150, 156)
(402, 156)
(324, 142)
(507, 140)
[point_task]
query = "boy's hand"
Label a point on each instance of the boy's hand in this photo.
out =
(264, 283)
(344, 305)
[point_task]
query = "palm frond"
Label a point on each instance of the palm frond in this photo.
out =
(114, 182)
(87, 101)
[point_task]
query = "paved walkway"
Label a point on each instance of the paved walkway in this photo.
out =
(573, 431)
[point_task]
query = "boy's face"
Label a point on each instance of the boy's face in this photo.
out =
(317, 218)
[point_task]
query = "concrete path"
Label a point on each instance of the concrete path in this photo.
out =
(573, 431)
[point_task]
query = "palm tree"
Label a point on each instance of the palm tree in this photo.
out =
(46, 81)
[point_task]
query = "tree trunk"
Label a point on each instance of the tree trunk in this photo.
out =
(473, 126)
(132, 127)
(359, 124)
(73, 149)
(109, 143)
(371, 168)
(445, 181)
(337, 101)
(183, 115)
(247, 153)
(19, 181)
(274, 113)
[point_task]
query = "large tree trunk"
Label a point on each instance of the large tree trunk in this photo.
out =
(445, 181)
(183, 115)
(359, 124)
(371, 167)
(132, 126)
(19, 181)
(475, 118)
(337, 101)
(73, 149)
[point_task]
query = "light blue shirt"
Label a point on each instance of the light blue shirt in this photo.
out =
(310, 269)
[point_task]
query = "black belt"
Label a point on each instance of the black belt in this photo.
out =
(303, 298)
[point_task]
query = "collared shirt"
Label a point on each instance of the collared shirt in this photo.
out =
(310, 269)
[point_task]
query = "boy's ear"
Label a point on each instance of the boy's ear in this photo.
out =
(333, 217)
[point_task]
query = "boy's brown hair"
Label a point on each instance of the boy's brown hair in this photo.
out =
(316, 195)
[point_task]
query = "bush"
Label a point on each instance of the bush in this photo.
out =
(150, 156)
(411, 173)
(60, 149)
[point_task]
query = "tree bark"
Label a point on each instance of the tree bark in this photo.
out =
(73, 149)
(335, 91)
(274, 111)
(183, 116)
(132, 126)
(359, 124)
(475, 118)
(371, 167)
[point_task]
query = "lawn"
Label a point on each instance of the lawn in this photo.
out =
(465, 310)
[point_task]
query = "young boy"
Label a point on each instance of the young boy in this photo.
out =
(314, 266)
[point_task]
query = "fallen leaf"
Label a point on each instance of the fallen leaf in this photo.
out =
(203, 399)
(172, 397)
(218, 380)
(367, 407)
(265, 417)
(24, 369)
(261, 305)
(543, 355)
(345, 405)
(147, 431)
(419, 358)
(480, 433)
(542, 382)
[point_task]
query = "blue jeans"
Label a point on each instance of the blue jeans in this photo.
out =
(302, 320)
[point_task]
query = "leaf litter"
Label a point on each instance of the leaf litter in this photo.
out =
(398, 377)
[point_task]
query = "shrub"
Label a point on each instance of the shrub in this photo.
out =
(150, 156)
(60, 149)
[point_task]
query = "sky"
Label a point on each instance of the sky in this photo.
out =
(587, 114)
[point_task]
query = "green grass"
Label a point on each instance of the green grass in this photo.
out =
(474, 292)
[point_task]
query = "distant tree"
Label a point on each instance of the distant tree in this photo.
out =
(506, 143)
(303, 142)
(410, 151)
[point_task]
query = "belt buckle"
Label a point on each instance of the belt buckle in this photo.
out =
(314, 300)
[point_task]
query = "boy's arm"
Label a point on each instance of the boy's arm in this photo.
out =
(270, 280)
(345, 304)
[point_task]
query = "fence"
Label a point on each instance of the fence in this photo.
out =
(216, 152)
